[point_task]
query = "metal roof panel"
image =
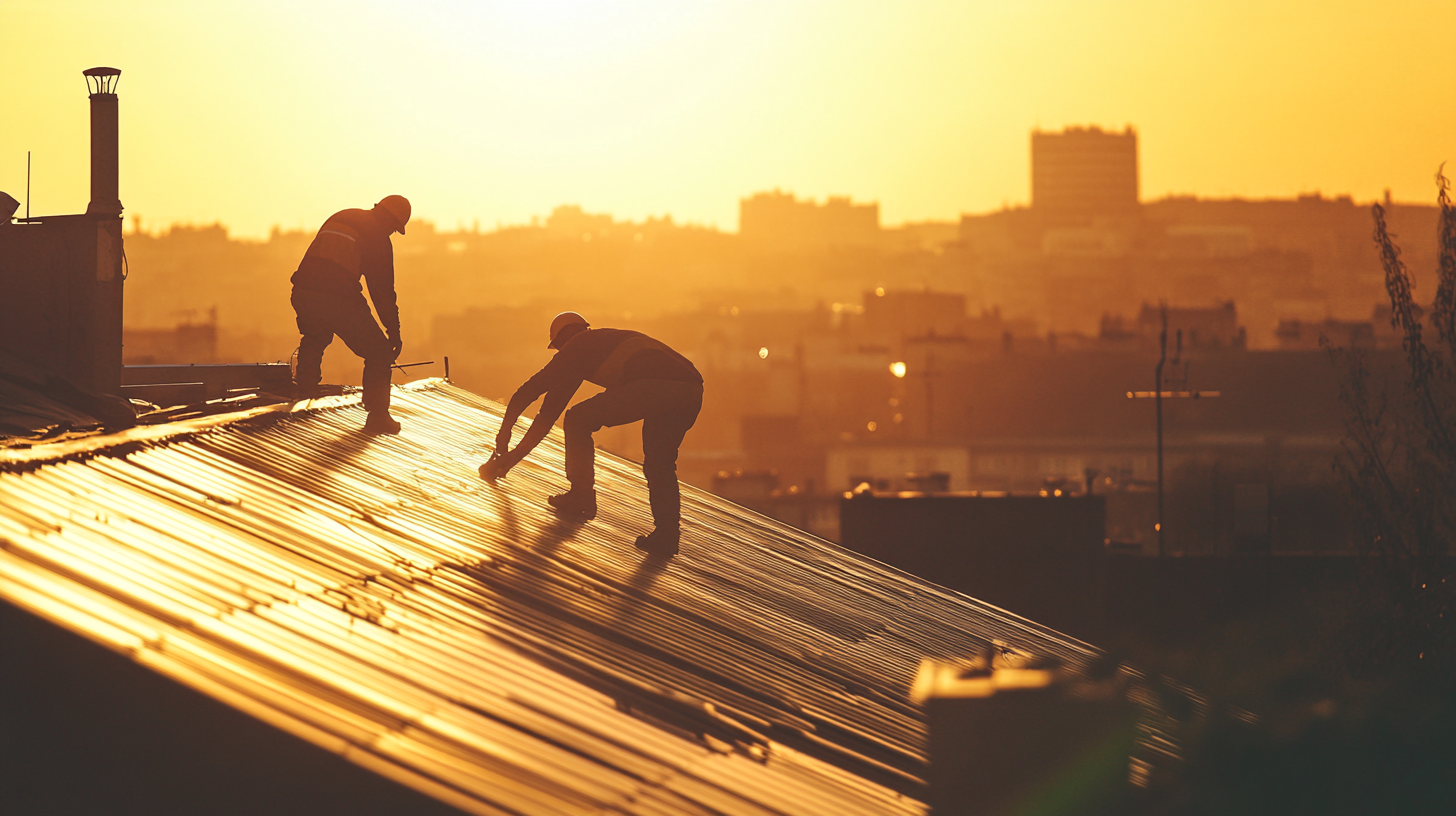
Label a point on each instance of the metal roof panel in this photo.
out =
(373, 596)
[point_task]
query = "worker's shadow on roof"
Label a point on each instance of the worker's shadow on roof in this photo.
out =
(546, 541)
(543, 547)
(638, 589)
(503, 501)
(647, 572)
(552, 536)
(316, 455)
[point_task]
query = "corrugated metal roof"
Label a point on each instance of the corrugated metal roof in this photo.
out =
(25, 413)
(373, 596)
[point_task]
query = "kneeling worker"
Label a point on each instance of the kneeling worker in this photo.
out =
(329, 301)
(644, 379)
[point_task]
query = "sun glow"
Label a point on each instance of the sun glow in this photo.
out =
(279, 113)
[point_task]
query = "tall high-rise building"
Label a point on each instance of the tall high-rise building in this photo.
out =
(1084, 173)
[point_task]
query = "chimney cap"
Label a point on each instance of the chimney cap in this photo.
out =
(101, 80)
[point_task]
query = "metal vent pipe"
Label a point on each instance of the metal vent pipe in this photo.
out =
(105, 162)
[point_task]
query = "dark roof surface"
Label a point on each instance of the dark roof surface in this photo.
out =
(373, 596)
(26, 412)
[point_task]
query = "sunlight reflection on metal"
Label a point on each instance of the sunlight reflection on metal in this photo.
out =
(373, 596)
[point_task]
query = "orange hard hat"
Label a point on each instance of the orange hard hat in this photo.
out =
(561, 322)
(398, 208)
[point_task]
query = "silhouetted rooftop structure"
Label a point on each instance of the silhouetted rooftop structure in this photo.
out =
(1084, 173)
(780, 222)
(1202, 327)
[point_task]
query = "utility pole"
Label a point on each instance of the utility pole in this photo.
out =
(1158, 407)
(929, 395)
(1158, 395)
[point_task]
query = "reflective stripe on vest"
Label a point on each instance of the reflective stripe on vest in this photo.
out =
(338, 244)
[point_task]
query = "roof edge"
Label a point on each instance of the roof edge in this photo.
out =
(26, 458)
(12, 459)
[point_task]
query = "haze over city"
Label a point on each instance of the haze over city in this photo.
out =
(261, 114)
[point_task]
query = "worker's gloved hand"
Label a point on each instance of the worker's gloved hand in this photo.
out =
(498, 465)
(396, 345)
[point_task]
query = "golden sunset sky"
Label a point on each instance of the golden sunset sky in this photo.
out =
(261, 113)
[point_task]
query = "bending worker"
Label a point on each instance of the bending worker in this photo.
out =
(329, 301)
(644, 380)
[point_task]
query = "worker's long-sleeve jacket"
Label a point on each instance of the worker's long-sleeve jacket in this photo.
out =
(607, 357)
(351, 244)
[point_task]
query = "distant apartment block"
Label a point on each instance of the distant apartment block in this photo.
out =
(1202, 328)
(779, 222)
(1084, 173)
(1308, 335)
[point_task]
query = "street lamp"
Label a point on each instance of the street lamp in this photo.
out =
(901, 371)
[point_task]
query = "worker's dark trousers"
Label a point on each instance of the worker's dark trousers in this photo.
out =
(321, 315)
(667, 408)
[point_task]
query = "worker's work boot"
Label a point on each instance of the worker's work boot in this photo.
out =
(380, 422)
(574, 505)
(660, 542)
